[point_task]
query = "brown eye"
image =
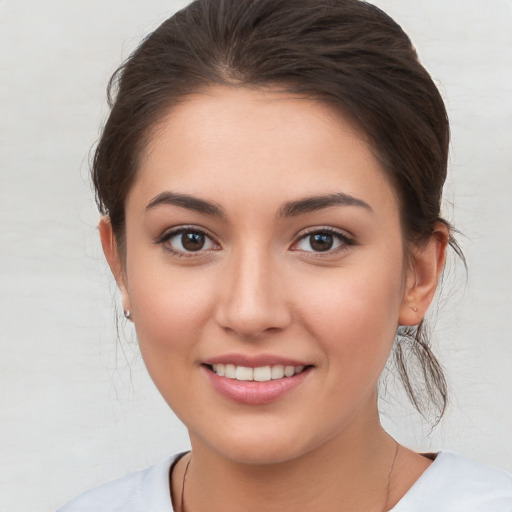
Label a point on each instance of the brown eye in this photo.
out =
(192, 241)
(185, 241)
(325, 240)
(321, 241)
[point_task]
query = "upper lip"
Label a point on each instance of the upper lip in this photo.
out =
(254, 361)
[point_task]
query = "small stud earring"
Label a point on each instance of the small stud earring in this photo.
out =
(415, 309)
(127, 314)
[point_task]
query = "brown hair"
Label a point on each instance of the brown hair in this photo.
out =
(347, 53)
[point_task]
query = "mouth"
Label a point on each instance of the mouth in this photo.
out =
(257, 374)
(255, 385)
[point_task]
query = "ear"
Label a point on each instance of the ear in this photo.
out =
(423, 275)
(111, 251)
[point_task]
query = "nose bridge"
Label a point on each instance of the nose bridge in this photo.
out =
(253, 300)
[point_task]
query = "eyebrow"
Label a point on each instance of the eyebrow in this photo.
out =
(290, 209)
(186, 201)
(314, 203)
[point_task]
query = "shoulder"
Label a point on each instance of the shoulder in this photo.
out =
(142, 491)
(454, 483)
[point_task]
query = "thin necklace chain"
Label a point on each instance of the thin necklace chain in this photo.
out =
(389, 478)
(182, 501)
(185, 474)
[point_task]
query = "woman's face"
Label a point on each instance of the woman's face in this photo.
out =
(263, 239)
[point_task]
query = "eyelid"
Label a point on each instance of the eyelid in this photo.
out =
(177, 230)
(347, 240)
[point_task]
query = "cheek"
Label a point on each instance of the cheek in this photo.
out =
(170, 308)
(354, 314)
(170, 311)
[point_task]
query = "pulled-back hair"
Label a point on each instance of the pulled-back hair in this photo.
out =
(346, 53)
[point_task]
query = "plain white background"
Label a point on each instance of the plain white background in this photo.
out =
(76, 405)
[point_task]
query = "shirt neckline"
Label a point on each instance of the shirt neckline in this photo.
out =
(433, 456)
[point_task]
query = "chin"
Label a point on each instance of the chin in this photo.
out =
(260, 445)
(257, 455)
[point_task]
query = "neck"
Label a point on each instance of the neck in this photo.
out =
(348, 473)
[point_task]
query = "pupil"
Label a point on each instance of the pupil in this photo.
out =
(321, 242)
(192, 241)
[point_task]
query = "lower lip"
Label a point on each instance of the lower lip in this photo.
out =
(253, 392)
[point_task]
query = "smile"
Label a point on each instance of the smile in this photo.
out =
(250, 384)
(258, 374)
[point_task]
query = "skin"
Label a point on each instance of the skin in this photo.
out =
(258, 287)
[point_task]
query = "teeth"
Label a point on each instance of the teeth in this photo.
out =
(277, 371)
(262, 373)
(259, 374)
(230, 371)
(244, 373)
(289, 371)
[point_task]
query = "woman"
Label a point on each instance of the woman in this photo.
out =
(270, 180)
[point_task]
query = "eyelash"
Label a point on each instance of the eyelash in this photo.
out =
(166, 237)
(344, 240)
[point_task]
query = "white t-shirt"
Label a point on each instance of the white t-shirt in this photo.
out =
(450, 484)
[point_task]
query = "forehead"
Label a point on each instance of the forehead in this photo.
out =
(258, 145)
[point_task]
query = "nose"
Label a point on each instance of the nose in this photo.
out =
(252, 298)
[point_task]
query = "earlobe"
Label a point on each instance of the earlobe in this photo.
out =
(111, 251)
(423, 275)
